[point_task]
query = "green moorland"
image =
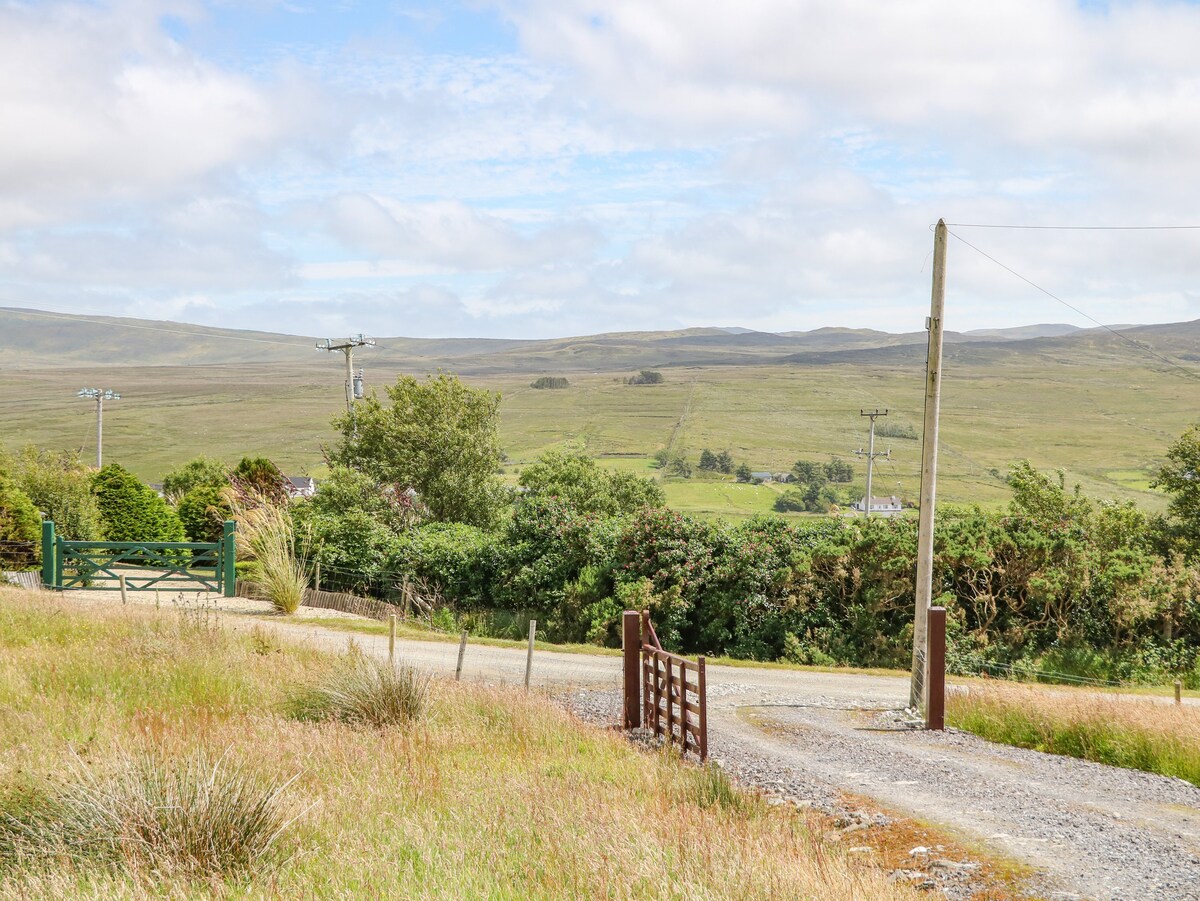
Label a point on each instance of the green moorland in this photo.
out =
(158, 755)
(1106, 425)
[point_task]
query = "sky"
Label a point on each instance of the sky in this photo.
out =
(541, 168)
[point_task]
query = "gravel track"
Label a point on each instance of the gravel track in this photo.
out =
(1092, 831)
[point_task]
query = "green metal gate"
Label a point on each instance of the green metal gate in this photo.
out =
(145, 565)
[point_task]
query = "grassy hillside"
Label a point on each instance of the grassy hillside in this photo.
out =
(1086, 402)
(487, 794)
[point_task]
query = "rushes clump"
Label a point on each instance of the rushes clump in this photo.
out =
(363, 692)
(149, 815)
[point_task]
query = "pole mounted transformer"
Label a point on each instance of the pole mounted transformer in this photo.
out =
(99, 395)
(354, 382)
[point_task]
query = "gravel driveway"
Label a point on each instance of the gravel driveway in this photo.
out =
(1093, 831)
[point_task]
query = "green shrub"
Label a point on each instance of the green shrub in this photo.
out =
(60, 486)
(203, 512)
(132, 511)
(199, 472)
(19, 520)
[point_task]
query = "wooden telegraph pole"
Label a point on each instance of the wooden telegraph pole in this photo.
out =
(929, 447)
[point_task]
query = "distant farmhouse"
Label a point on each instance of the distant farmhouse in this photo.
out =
(772, 476)
(301, 486)
(884, 506)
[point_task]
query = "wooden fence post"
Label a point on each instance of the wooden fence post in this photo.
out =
(631, 646)
(49, 548)
(392, 640)
(124, 599)
(1178, 692)
(935, 715)
(702, 685)
(462, 649)
(529, 653)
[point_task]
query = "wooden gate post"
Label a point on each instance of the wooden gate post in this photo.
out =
(228, 558)
(935, 710)
(48, 550)
(631, 643)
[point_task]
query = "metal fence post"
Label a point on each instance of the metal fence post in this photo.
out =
(631, 645)
(228, 559)
(48, 549)
(935, 715)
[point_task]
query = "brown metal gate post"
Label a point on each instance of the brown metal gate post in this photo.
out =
(631, 642)
(935, 710)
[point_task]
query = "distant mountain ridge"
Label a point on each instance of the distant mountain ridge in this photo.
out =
(33, 338)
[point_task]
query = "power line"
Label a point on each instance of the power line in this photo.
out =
(146, 328)
(1079, 228)
(1141, 347)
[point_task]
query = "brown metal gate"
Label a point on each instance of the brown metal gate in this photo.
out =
(658, 692)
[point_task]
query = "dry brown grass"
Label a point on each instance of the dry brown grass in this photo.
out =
(1138, 733)
(491, 793)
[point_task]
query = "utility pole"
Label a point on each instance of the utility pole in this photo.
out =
(929, 449)
(100, 395)
(871, 455)
(354, 384)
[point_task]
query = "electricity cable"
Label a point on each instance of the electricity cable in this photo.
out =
(1137, 344)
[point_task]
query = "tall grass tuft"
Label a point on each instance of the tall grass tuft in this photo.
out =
(1133, 733)
(265, 534)
(363, 692)
(150, 815)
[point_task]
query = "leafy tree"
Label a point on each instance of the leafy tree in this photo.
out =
(708, 460)
(725, 462)
(662, 457)
(809, 473)
(132, 511)
(199, 472)
(60, 486)
(744, 474)
(437, 436)
(203, 512)
(19, 520)
(550, 381)
(791, 501)
(679, 466)
(352, 525)
(838, 470)
(1179, 477)
(646, 377)
(590, 488)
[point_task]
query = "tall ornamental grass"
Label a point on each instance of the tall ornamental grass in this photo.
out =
(265, 533)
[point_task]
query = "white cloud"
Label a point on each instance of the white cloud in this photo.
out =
(98, 104)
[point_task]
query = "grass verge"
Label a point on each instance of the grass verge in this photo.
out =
(1136, 734)
(489, 794)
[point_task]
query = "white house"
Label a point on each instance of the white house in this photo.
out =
(301, 486)
(883, 506)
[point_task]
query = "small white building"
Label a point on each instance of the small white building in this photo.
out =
(882, 506)
(301, 486)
